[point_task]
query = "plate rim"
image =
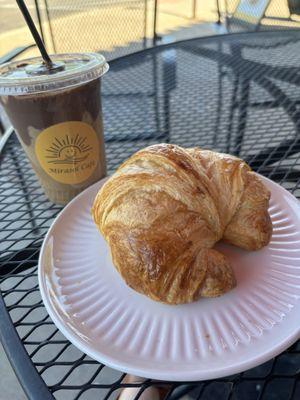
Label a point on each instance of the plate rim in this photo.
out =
(179, 375)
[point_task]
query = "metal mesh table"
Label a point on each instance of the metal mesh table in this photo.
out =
(238, 94)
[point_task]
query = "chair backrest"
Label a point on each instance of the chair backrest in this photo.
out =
(294, 6)
(247, 15)
(250, 15)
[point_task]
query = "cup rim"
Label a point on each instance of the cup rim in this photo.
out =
(93, 66)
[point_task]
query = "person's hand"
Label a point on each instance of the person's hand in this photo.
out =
(150, 393)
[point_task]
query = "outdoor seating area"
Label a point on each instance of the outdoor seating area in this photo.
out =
(102, 294)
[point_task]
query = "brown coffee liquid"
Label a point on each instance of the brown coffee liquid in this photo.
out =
(32, 114)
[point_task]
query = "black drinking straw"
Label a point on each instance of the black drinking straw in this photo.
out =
(35, 34)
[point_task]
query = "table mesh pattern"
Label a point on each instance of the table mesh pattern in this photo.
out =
(238, 94)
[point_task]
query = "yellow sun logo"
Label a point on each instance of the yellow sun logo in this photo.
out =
(68, 150)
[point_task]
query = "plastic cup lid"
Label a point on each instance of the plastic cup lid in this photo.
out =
(27, 76)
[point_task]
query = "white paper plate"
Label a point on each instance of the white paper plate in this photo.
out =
(210, 338)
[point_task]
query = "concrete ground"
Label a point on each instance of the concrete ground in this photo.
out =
(108, 26)
(9, 385)
(116, 27)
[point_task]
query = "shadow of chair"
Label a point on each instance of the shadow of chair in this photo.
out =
(244, 73)
(149, 97)
(242, 86)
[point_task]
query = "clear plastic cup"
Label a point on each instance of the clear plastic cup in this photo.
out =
(58, 119)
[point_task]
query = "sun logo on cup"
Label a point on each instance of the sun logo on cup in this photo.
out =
(68, 150)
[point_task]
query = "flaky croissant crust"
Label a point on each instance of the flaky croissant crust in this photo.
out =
(166, 207)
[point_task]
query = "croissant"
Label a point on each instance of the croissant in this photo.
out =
(166, 207)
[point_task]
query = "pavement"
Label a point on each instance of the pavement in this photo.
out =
(115, 27)
(111, 26)
(9, 385)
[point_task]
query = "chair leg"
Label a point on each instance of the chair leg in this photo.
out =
(218, 12)
(232, 109)
(243, 84)
(156, 105)
(220, 98)
(243, 113)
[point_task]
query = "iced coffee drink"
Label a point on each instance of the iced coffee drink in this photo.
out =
(58, 119)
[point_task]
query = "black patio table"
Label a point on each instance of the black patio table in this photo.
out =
(238, 94)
